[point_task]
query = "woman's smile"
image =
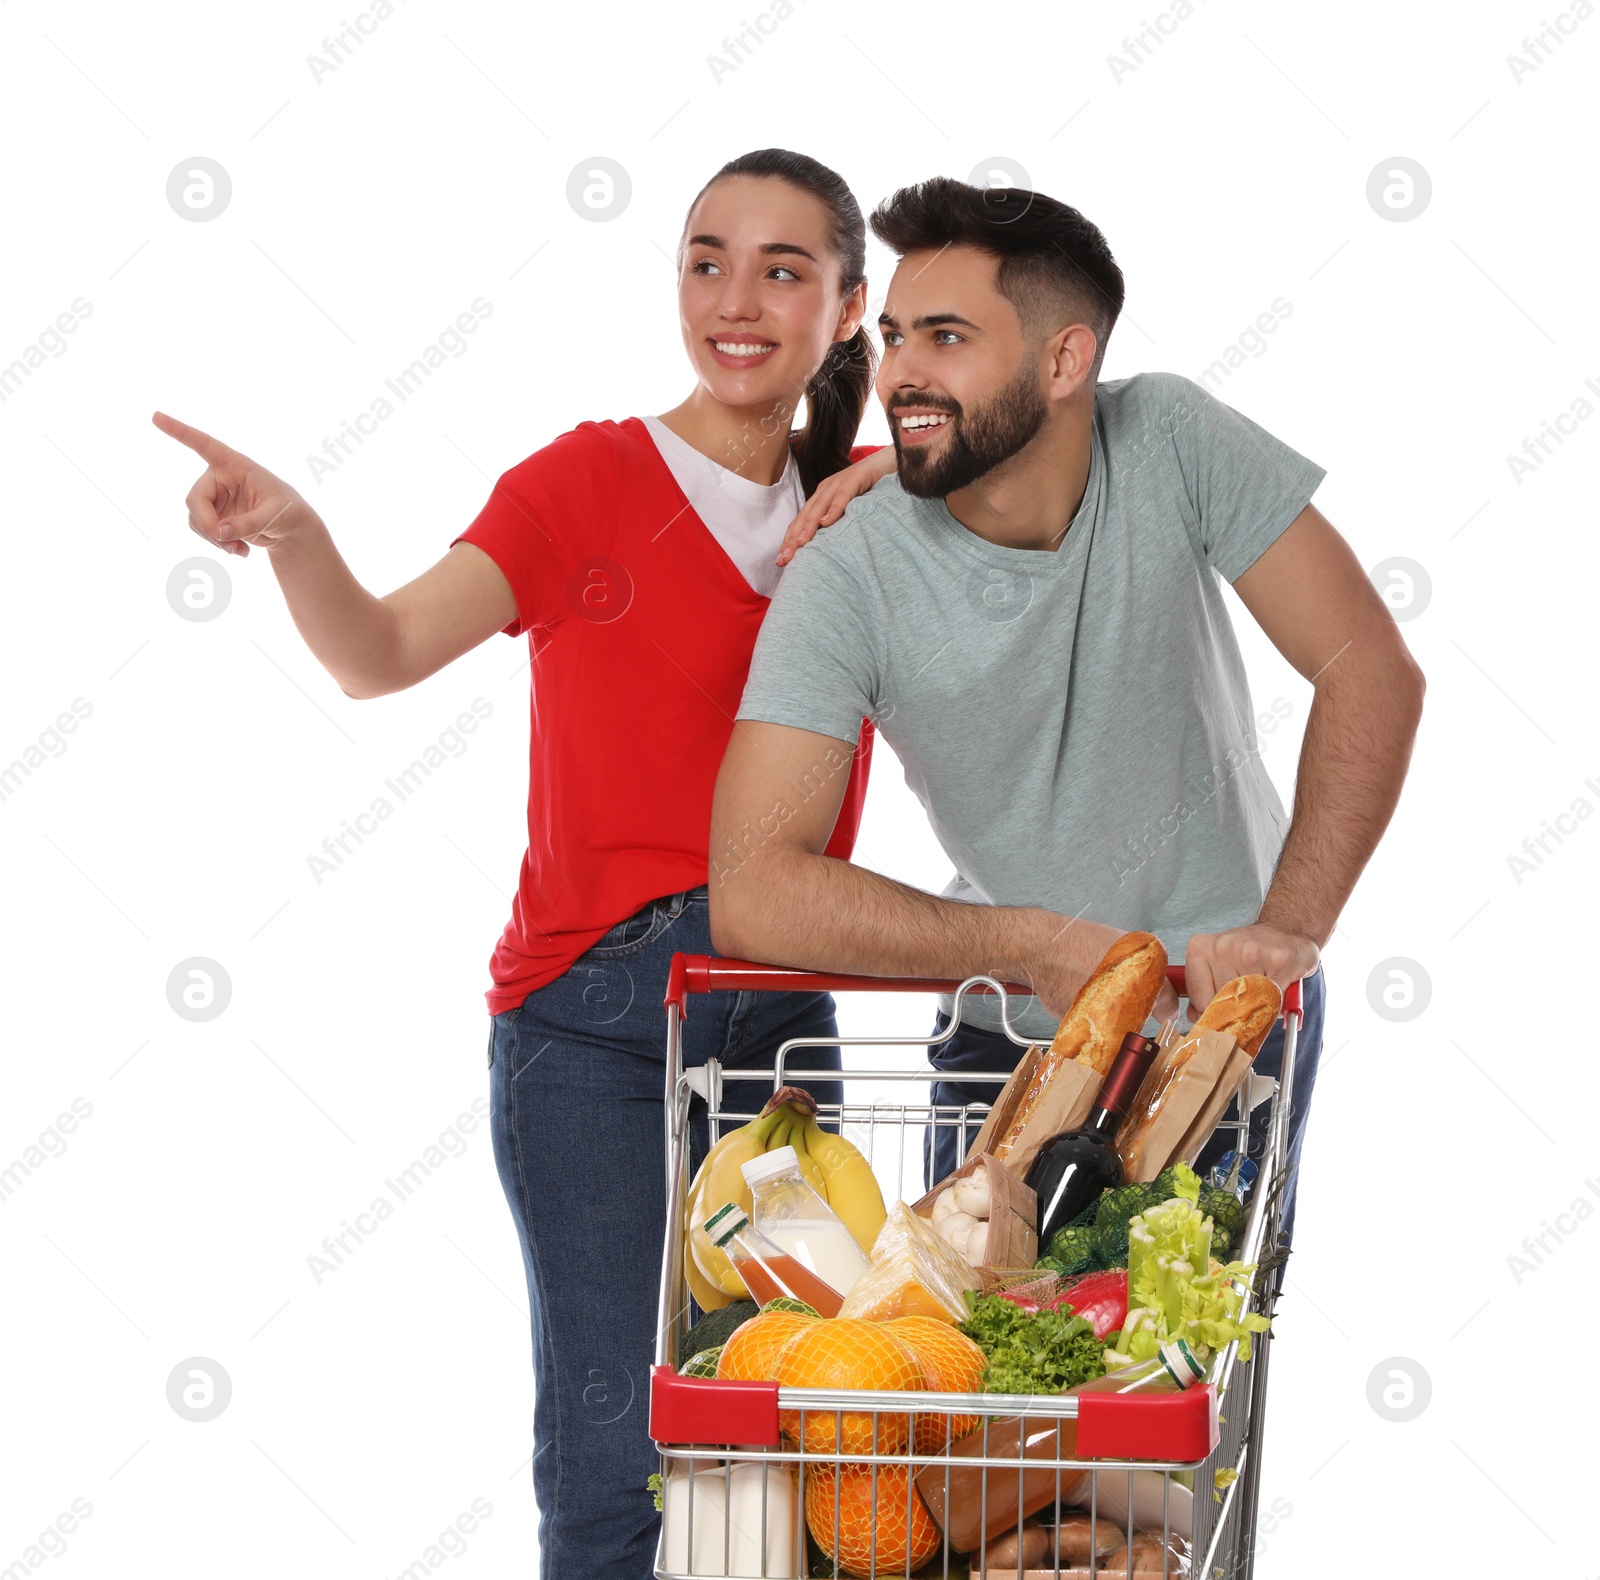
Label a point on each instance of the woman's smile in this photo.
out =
(741, 350)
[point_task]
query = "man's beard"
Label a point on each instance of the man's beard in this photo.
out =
(980, 440)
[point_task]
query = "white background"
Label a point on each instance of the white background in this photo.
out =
(1228, 169)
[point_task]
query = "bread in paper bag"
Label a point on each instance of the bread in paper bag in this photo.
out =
(1192, 1079)
(1054, 1090)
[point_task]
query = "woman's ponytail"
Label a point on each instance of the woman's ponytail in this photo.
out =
(837, 393)
(835, 399)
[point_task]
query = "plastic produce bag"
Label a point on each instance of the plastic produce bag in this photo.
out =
(730, 1511)
(913, 1274)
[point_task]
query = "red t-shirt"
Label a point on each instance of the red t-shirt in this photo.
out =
(640, 633)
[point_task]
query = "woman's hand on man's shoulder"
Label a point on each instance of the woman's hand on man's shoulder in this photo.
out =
(827, 504)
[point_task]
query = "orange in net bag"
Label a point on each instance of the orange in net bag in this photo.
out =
(954, 1364)
(839, 1352)
(870, 1518)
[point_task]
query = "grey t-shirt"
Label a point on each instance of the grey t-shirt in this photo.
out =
(1076, 722)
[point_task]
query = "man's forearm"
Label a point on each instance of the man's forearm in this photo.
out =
(795, 908)
(790, 907)
(1353, 763)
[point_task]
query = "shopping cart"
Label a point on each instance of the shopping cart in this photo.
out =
(1116, 1475)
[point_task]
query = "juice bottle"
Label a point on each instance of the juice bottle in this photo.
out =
(974, 1504)
(769, 1272)
(799, 1222)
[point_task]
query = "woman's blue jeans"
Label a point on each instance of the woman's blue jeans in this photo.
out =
(576, 1077)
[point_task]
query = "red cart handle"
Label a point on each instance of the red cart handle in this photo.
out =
(709, 974)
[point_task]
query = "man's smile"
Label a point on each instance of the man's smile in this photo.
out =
(918, 425)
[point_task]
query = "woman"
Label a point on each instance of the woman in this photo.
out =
(639, 558)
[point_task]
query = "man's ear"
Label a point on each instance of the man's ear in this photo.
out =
(1069, 355)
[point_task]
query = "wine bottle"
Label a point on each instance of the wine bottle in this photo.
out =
(1073, 1168)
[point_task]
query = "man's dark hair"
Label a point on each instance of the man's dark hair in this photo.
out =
(1055, 266)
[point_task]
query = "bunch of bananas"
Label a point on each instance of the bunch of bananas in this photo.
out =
(832, 1167)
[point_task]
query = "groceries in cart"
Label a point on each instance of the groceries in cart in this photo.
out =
(795, 1217)
(913, 1273)
(1074, 1255)
(1072, 1169)
(985, 1212)
(766, 1269)
(836, 1171)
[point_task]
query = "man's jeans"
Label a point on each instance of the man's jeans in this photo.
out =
(576, 1080)
(975, 1049)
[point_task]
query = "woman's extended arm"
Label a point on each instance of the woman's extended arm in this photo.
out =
(371, 646)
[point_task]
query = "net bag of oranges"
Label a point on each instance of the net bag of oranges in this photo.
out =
(870, 1518)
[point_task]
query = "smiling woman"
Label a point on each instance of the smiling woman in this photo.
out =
(637, 557)
(770, 316)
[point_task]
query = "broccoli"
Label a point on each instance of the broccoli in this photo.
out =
(716, 1327)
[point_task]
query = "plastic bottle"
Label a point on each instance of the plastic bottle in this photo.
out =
(1234, 1172)
(797, 1220)
(974, 1504)
(768, 1271)
(1171, 1370)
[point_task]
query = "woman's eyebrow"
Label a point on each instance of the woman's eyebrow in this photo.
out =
(768, 248)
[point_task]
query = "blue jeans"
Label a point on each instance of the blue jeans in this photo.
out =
(975, 1049)
(576, 1079)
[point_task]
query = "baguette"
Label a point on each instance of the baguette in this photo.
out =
(1244, 1009)
(1117, 999)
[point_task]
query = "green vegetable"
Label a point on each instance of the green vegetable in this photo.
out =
(1175, 1289)
(1042, 1352)
(1110, 1243)
(716, 1327)
(1071, 1248)
(1120, 1204)
(1225, 1209)
(1098, 1238)
(1176, 1179)
(789, 1303)
(701, 1364)
(653, 1482)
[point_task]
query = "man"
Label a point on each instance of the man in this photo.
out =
(1031, 611)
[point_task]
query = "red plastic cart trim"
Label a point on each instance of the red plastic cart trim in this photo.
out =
(1170, 1426)
(708, 974)
(712, 1410)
